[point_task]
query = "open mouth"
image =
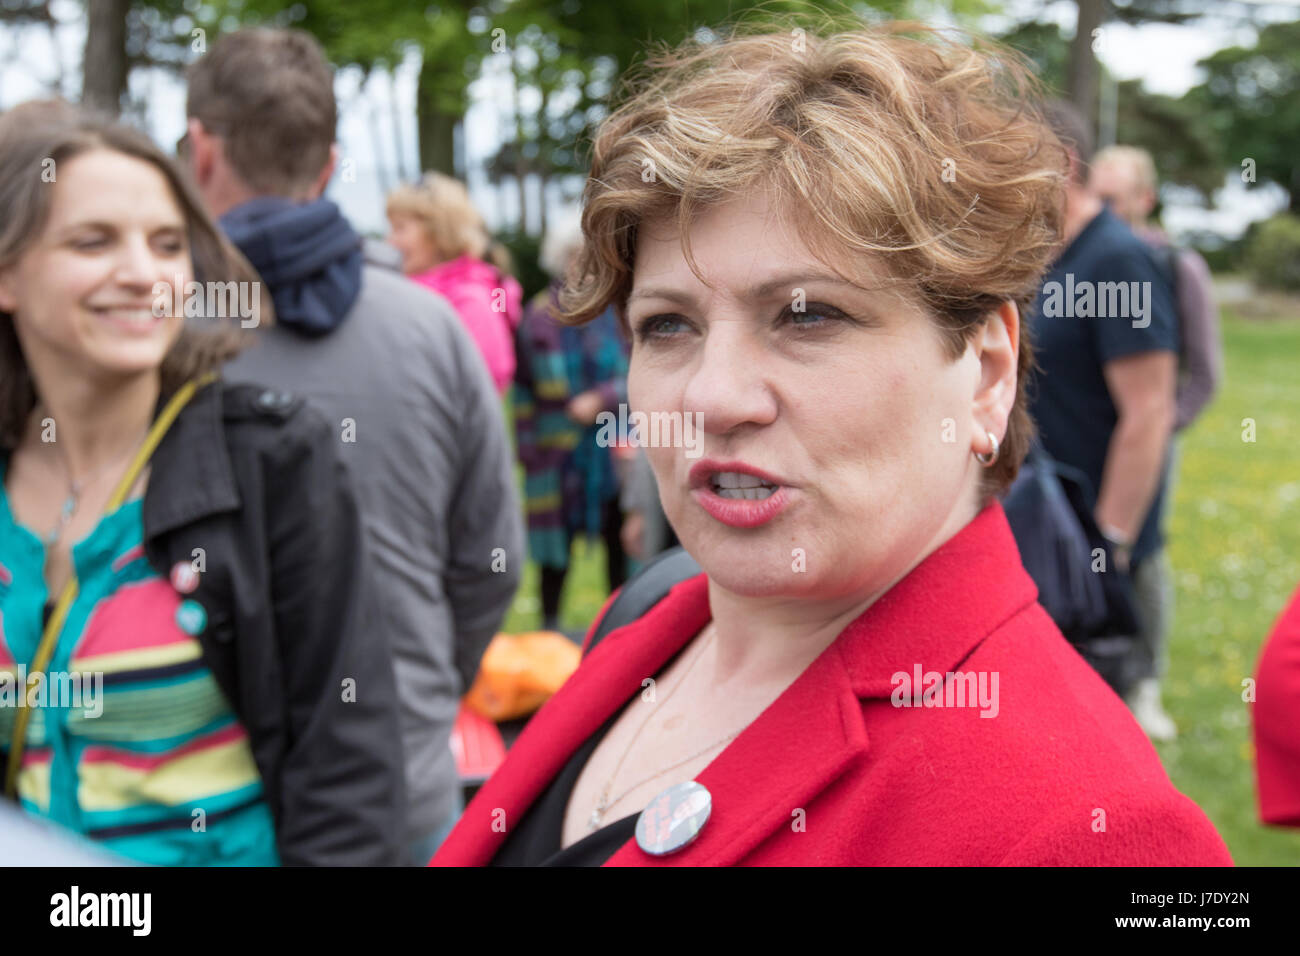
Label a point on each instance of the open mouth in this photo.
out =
(735, 485)
(737, 494)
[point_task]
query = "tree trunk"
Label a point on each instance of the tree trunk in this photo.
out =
(543, 169)
(436, 127)
(1082, 79)
(399, 144)
(104, 67)
(545, 181)
(376, 143)
(521, 167)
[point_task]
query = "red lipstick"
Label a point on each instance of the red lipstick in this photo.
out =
(736, 512)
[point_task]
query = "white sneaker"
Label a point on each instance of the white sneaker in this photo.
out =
(1144, 701)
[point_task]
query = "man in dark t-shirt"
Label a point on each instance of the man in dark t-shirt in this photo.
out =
(1071, 398)
(1105, 335)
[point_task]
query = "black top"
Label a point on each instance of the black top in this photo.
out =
(536, 840)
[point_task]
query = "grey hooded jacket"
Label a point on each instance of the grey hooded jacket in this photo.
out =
(421, 429)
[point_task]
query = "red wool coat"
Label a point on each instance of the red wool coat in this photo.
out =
(1277, 721)
(837, 772)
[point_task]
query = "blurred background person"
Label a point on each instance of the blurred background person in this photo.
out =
(194, 545)
(1104, 398)
(414, 412)
(445, 246)
(567, 376)
(1124, 177)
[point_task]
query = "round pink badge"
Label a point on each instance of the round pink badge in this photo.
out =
(184, 578)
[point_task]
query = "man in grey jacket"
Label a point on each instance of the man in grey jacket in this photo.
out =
(420, 426)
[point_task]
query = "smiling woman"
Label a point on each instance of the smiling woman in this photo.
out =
(822, 244)
(73, 230)
(187, 543)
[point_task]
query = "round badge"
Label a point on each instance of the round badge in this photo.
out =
(184, 578)
(191, 618)
(674, 819)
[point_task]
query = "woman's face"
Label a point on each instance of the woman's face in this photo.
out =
(849, 407)
(83, 294)
(409, 237)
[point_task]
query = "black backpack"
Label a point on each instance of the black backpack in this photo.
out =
(644, 590)
(1050, 510)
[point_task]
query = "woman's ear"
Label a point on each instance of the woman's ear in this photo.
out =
(202, 151)
(997, 346)
(323, 180)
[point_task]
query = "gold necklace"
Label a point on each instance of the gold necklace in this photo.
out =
(725, 740)
(603, 803)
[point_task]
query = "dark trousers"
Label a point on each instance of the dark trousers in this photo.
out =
(611, 523)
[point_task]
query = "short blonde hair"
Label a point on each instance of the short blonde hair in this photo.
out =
(917, 150)
(1136, 158)
(442, 205)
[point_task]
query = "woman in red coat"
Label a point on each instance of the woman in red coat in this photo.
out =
(1277, 721)
(822, 247)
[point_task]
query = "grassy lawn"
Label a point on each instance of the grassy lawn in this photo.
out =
(1234, 537)
(1235, 545)
(584, 592)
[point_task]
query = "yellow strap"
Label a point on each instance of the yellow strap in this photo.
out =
(45, 649)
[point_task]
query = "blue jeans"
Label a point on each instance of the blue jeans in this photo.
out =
(423, 849)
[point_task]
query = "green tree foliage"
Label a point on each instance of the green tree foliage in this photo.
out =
(1251, 102)
(1046, 47)
(1175, 130)
(1175, 133)
(1273, 254)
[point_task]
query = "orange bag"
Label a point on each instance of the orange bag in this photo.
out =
(520, 672)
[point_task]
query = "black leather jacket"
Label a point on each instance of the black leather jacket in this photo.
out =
(248, 487)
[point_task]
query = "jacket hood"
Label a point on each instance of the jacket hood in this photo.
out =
(306, 253)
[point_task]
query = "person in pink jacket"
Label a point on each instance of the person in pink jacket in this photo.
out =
(446, 247)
